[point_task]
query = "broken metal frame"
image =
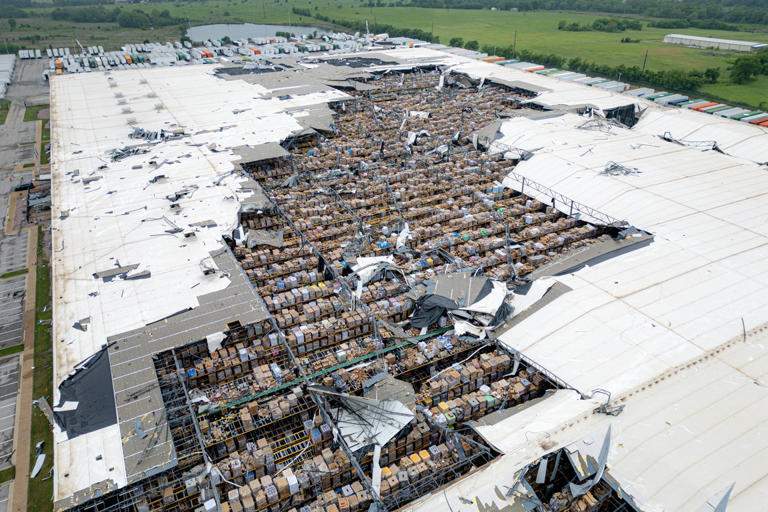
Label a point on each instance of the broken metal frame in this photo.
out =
(433, 480)
(556, 196)
(360, 225)
(319, 402)
(198, 434)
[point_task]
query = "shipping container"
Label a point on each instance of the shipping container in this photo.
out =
(740, 117)
(716, 108)
(761, 116)
(128, 59)
(704, 105)
(672, 99)
(733, 111)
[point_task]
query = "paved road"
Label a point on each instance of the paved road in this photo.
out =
(11, 312)
(9, 384)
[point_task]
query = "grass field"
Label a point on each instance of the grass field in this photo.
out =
(5, 106)
(40, 490)
(536, 31)
(30, 113)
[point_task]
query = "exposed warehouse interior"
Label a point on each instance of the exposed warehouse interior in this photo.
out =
(337, 250)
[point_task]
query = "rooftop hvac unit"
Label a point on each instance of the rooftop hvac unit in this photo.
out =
(158, 106)
(112, 84)
(127, 110)
(143, 81)
(152, 95)
(131, 120)
(121, 101)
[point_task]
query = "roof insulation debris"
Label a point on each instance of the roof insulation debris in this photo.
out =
(674, 328)
(142, 209)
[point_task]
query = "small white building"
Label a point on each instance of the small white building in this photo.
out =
(711, 42)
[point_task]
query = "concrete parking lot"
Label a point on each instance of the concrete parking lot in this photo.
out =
(11, 310)
(4, 489)
(27, 85)
(9, 384)
(13, 253)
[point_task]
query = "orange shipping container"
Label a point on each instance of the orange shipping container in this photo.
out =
(58, 71)
(759, 121)
(128, 59)
(493, 59)
(533, 70)
(764, 123)
(705, 105)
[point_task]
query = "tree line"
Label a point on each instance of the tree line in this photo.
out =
(359, 26)
(602, 25)
(674, 79)
(125, 18)
(729, 11)
(747, 68)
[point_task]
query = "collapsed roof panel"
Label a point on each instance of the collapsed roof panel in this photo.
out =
(229, 379)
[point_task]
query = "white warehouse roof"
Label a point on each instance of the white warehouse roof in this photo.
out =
(674, 330)
(715, 40)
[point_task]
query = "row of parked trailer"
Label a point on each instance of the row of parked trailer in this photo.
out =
(709, 107)
(568, 76)
(662, 97)
(178, 53)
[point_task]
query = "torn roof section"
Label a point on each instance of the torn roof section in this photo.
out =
(155, 209)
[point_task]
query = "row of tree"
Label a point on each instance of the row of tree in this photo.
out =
(602, 25)
(730, 11)
(360, 26)
(747, 68)
(124, 18)
(665, 79)
(694, 23)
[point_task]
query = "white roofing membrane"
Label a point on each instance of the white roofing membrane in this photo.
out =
(742, 140)
(627, 322)
(632, 319)
(121, 217)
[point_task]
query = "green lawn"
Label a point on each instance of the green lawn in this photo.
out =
(15, 272)
(40, 491)
(753, 93)
(7, 474)
(536, 31)
(30, 113)
(7, 351)
(5, 106)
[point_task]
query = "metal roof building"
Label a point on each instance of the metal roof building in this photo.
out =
(711, 42)
(661, 350)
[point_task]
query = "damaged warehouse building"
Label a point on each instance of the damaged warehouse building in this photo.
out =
(405, 280)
